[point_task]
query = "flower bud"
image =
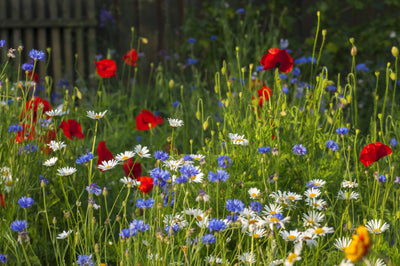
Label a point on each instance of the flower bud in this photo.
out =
(353, 51)
(171, 84)
(395, 51)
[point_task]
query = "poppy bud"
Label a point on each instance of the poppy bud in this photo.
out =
(353, 51)
(388, 64)
(395, 51)
(392, 76)
(351, 40)
(198, 115)
(324, 32)
(144, 40)
(171, 84)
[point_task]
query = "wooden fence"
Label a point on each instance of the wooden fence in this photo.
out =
(67, 26)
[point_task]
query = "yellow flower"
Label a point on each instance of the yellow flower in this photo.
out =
(359, 245)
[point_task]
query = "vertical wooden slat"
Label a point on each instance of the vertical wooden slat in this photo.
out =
(79, 39)
(28, 33)
(3, 17)
(55, 43)
(137, 17)
(68, 55)
(160, 16)
(91, 12)
(41, 33)
(15, 7)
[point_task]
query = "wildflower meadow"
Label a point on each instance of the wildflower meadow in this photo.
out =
(249, 153)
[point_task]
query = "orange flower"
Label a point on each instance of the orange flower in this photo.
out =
(359, 245)
(130, 57)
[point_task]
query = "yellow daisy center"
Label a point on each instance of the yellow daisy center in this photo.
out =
(239, 139)
(199, 218)
(312, 195)
(310, 221)
(316, 205)
(107, 167)
(291, 237)
(254, 195)
(273, 212)
(291, 257)
(377, 230)
(274, 220)
(256, 235)
(317, 184)
(124, 158)
(197, 158)
(9, 183)
(319, 230)
(193, 177)
(253, 221)
(291, 197)
(140, 153)
(97, 116)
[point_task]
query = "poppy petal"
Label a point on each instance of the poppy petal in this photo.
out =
(103, 153)
(146, 184)
(132, 170)
(373, 152)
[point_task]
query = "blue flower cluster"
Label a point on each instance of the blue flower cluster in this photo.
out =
(299, 149)
(85, 260)
(85, 158)
(19, 226)
(144, 204)
(234, 205)
(25, 202)
(220, 175)
(216, 225)
(94, 189)
(160, 155)
(332, 145)
(224, 161)
(37, 55)
(160, 177)
(342, 130)
(27, 67)
(15, 128)
(264, 149)
(172, 229)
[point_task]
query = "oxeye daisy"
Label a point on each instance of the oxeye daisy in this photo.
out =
(322, 231)
(56, 145)
(130, 181)
(64, 234)
(247, 258)
(108, 165)
(272, 208)
(345, 262)
(309, 238)
(93, 115)
(124, 156)
(292, 196)
(376, 227)
(277, 220)
(175, 122)
(377, 262)
(142, 152)
(312, 193)
(294, 256)
(173, 165)
(50, 162)
(342, 243)
(318, 204)
(349, 184)
(279, 196)
(175, 219)
(254, 193)
(292, 235)
(198, 157)
(316, 183)
(66, 171)
(346, 195)
(257, 233)
(238, 139)
(55, 112)
(313, 218)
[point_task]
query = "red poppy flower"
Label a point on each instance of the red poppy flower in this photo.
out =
(72, 129)
(103, 153)
(133, 170)
(34, 76)
(373, 152)
(2, 198)
(277, 58)
(130, 57)
(27, 133)
(263, 94)
(146, 119)
(106, 68)
(33, 105)
(146, 184)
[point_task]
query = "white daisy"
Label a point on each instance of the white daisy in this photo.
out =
(173, 165)
(247, 213)
(108, 165)
(238, 139)
(276, 219)
(376, 226)
(142, 152)
(377, 262)
(316, 183)
(294, 256)
(175, 122)
(349, 184)
(345, 262)
(279, 196)
(312, 193)
(257, 233)
(292, 196)
(64, 234)
(175, 219)
(124, 156)
(309, 238)
(322, 231)
(198, 157)
(276, 262)
(272, 208)
(93, 115)
(204, 197)
(56, 145)
(130, 181)
(247, 258)
(348, 195)
(251, 223)
(318, 204)
(50, 162)
(66, 171)
(254, 193)
(292, 235)
(342, 243)
(6, 178)
(55, 112)
(214, 260)
(313, 218)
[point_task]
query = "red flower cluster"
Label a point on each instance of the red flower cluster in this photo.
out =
(146, 120)
(132, 170)
(146, 184)
(32, 107)
(103, 154)
(130, 57)
(373, 152)
(277, 58)
(106, 68)
(263, 94)
(72, 129)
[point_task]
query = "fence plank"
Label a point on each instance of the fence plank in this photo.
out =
(41, 34)
(55, 43)
(79, 39)
(91, 13)
(68, 55)
(3, 17)
(15, 6)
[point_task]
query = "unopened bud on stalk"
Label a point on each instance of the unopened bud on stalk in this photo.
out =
(395, 51)
(171, 84)
(324, 32)
(353, 51)
(392, 76)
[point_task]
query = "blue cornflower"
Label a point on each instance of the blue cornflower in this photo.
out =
(208, 239)
(30, 148)
(276, 218)
(294, 80)
(15, 128)
(299, 149)
(220, 175)
(216, 225)
(331, 88)
(224, 161)
(234, 205)
(3, 258)
(94, 189)
(175, 104)
(296, 71)
(85, 260)
(166, 198)
(160, 155)
(175, 228)
(19, 226)
(138, 138)
(282, 76)
(232, 218)
(382, 178)
(27, 67)
(37, 55)
(312, 60)
(85, 158)
(393, 142)
(2, 43)
(41, 178)
(25, 202)
(106, 16)
(187, 158)
(160, 177)
(256, 206)
(213, 38)
(191, 40)
(181, 180)
(264, 149)
(285, 89)
(332, 145)
(189, 171)
(342, 130)
(259, 68)
(362, 67)
(144, 204)
(191, 61)
(127, 233)
(139, 226)
(240, 11)
(63, 83)
(301, 60)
